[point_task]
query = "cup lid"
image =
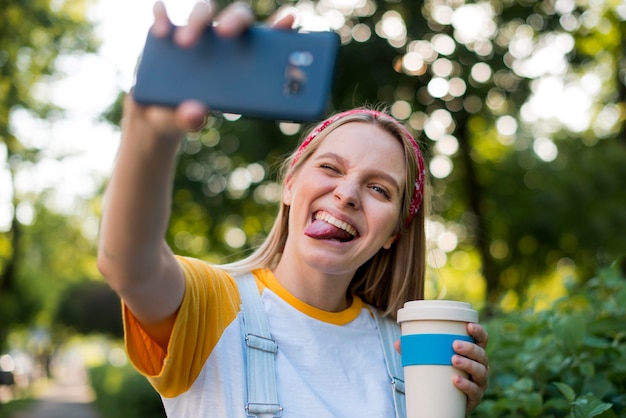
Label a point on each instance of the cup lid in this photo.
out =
(445, 310)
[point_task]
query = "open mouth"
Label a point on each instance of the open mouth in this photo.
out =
(326, 226)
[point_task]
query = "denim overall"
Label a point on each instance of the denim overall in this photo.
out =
(261, 349)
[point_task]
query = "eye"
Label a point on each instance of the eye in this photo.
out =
(330, 168)
(381, 190)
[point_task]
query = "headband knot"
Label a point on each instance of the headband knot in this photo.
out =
(418, 190)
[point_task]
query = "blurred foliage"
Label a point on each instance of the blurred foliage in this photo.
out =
(32, 36)
(568, 361)
(54, 252)
(15, 407)
(556, 211)
(122, 392)
(90, 307)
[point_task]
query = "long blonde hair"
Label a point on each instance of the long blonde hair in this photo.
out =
(391, 277)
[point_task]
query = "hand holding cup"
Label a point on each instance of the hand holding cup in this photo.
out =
(443, 357)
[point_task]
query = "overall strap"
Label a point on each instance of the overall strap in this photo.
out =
(261, 349)
(389, 332)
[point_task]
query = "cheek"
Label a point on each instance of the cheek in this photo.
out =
(386, 219)
(309, 184)
(298, 193)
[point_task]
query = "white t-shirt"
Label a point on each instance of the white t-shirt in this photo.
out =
(329, 364)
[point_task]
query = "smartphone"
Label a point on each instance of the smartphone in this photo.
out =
(267, 73)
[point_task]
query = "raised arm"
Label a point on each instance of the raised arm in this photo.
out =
(132, 255)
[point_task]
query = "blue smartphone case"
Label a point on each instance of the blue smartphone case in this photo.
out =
(266, 73)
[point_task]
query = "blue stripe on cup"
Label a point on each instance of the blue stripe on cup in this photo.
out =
(429, 349)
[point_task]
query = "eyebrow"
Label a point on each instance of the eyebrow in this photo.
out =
(377, 173)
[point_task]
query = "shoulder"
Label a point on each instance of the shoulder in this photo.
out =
(203, 277)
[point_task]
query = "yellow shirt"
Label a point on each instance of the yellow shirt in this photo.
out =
(329, 364)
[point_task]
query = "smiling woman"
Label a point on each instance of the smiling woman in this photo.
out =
(346, 251)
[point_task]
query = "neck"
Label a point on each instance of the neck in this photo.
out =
(315, 288)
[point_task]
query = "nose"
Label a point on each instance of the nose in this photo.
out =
(347, 194)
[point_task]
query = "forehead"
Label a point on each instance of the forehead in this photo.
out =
(365, 143)
(362, 136)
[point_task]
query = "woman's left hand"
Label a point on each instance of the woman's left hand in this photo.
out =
(472, 359)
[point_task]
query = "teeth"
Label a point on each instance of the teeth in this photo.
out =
(323, 216)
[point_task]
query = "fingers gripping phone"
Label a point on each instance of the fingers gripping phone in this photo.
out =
(267, 73)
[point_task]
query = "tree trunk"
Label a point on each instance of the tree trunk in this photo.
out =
(8, 276)
(475, 194)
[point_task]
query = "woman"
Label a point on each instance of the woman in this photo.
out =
(347, 246)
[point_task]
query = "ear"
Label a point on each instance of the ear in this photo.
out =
(287, 195)
(387, 245)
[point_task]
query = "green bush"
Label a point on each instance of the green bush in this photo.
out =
(122, 392)
(569, 361)
(16, 407)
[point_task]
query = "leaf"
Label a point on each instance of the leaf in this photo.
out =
(569, 331)
(524, 384)
(533, 404)
(587, 369)
(600, 408)
(589, 406)
(566, 390)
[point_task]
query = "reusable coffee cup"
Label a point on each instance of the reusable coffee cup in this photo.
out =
(429, 327)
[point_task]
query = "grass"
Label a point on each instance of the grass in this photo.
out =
(13, 407)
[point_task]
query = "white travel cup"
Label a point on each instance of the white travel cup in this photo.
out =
(429, 327)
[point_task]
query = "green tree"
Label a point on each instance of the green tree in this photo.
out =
(90, 307)
(56, 251)
(32, 36)
(468, 78)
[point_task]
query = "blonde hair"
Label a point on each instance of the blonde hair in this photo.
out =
(391, 277)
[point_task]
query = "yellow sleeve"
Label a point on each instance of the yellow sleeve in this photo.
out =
(210, 303)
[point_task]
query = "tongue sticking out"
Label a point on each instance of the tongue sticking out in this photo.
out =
(322, 230)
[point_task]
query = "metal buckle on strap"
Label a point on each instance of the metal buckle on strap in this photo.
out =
(398, 384)
(261, 343)
(254, 409)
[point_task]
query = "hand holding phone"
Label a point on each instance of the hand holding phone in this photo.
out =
(268, 73)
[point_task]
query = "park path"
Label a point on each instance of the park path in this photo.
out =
(66, 396)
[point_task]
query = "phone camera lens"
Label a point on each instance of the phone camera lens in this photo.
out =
(301, 58)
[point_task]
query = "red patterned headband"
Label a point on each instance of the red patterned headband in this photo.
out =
(418, 192)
